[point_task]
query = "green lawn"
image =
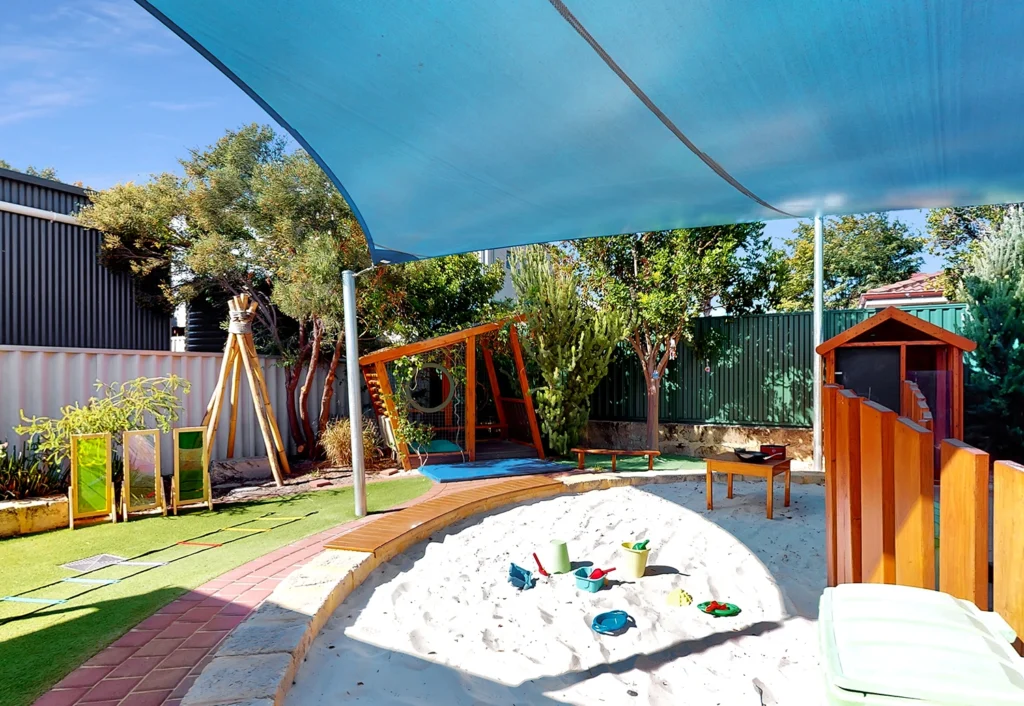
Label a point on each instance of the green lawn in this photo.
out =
(665, 462)
(38, 650)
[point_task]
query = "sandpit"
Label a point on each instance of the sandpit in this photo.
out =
(440, 624)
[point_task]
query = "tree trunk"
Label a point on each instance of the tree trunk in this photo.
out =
(291, 384)
(307, 387)
(653, 400)
(332, 373)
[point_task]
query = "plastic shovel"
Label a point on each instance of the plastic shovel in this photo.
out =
(600, 573)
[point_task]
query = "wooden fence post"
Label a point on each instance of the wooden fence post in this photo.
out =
(848, 499)
(878, 512)
(914, 495)
(1008, 546)
(829, 451)
(963, 522)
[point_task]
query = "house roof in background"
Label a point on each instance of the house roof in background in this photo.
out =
(459, 126)
(920, 285)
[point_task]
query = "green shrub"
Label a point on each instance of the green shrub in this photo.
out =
(25, 474)
(143, 403)
(571, 339)
(336, 440)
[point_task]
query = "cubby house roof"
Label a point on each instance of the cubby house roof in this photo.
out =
(892, 324)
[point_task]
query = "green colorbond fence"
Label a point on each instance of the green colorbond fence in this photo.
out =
(763, 377)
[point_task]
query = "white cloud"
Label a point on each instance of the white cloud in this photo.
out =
(181, 107)
(36, 97)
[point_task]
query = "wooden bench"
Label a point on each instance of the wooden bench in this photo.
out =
(581, 454)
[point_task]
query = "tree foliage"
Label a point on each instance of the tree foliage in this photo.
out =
(44, 173)
(861, 252)
(995, 321)
(954, 234)
(571, 339)
(249, 217)
(142, 403)
(668, 278)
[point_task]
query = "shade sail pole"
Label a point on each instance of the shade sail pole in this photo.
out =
(819, 307)
(355, 394)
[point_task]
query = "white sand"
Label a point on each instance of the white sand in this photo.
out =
(442, 625)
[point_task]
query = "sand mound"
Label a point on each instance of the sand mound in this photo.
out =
(442, 625)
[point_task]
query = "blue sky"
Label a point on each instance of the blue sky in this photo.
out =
(102, 92)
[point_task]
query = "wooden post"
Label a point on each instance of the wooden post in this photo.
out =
(236, 385)
(914, 494)
(848, 498)
(471, 397)
(389, 404)
(524, 384)
(492, 376)
(957, 412)
(1008, 546)
(878, 515)
(963, 523)
(829, 449)
(903, 362)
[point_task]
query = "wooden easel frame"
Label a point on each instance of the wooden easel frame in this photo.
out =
(207, 498)
(109, 510)
(126, 487)
(239, 354)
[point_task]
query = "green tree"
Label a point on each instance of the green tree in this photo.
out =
(571, 339)
(995, 321)
(44, 173)
(250, 218)
(954, 234)
(861, 252)
(666, 279)
(447, 294)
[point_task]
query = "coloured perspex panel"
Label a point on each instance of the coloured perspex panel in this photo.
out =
(191, 477)
(92, 490)
(143, 487)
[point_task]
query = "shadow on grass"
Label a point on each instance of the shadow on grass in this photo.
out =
(35, 660)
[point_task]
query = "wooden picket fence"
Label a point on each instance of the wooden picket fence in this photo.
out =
(914, 406)
(880, 499)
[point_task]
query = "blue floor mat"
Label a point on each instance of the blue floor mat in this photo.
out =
(497, 468)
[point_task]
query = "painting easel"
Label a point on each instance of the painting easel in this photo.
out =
(239, 353)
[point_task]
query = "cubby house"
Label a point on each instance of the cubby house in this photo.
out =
(894, 358)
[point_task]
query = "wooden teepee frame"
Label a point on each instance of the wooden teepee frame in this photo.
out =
(239, 353)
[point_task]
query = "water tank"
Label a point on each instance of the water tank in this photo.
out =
(204, 332)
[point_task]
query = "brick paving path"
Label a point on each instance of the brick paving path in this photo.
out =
(158, 660)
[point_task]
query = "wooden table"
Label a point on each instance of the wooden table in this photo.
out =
(728, 463)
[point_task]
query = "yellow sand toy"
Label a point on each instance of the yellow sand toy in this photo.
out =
(678, 598)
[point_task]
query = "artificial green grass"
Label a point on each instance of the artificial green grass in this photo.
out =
(38, 650)
(665, 462)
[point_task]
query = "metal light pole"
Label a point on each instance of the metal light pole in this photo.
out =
(355, 394)
(819, 306)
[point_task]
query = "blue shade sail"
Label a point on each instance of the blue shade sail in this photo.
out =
(453, 125)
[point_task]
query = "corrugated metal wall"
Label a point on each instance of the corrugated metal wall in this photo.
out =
(764, 377)
(53, 291)
(42, 380)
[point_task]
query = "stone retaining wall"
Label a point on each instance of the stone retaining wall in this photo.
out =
(700, 440)
(33, 515)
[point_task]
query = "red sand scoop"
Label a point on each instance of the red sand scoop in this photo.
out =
(600, 573)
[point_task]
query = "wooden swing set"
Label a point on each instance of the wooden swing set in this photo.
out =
(516, 419)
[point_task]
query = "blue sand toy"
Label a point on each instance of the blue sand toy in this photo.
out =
(613, 622)
(520, 577)
(585, 583)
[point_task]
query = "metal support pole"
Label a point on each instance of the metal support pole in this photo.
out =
(355, 394)
(819, 307)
